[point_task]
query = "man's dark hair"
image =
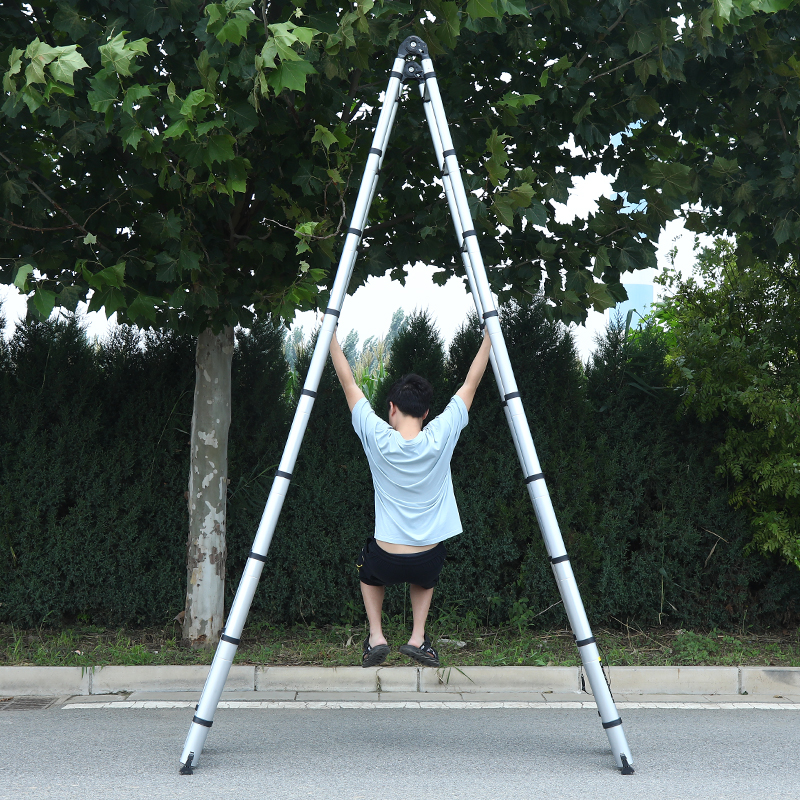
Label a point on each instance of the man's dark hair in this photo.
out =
(412, 395)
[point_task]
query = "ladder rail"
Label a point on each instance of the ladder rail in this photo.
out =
(465, 258)
(237, 616)
(537, 487)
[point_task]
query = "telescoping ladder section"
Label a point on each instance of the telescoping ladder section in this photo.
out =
(406, 69)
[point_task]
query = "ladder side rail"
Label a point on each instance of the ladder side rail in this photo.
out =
(465, 259)
(229, 642)
(391, 98)
(490, 314)
(343, 275)
(471, 241)
(537, 488)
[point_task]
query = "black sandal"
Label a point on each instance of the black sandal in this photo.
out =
(424, 654)
(374, 655)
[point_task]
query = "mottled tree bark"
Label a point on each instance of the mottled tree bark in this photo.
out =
(208, 489)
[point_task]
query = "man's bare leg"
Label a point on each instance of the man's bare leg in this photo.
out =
(420, 605)
(373, 603)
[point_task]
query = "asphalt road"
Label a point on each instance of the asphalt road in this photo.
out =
(344, 754)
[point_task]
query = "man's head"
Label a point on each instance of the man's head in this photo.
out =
(412, 396)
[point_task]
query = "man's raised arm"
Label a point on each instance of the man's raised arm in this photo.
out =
(467, 391)
(345, 374)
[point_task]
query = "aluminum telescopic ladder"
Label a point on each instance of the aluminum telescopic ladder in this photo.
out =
(413, 64)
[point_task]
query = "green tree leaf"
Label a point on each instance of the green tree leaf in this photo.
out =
(220, 147)
(110, 276)
(324, 137)
(143, 308)
(117, 54)
(21, 277)
(199, 98)
(480, 9)
(44, 301)
(109, 299)
(67, 63)
(291, 75)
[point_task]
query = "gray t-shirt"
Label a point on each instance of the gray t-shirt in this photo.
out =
(414, 500)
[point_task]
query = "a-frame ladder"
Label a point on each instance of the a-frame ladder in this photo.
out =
(413, 63)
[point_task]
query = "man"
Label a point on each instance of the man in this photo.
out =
(415, 508)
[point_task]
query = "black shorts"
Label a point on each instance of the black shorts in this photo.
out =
(376, 567)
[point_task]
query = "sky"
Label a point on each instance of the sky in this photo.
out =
(369, 309)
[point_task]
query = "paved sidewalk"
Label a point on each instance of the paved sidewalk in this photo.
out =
(415, 700)
(298, 687)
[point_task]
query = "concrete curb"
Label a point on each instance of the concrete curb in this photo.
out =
(628, 681)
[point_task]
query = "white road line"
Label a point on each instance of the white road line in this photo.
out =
(425, 704)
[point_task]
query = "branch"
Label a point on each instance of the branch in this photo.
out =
(100, 208)
(355, 78)
(621, 66)
(289, 102)
(410, 22)
(602, 37)
(42, 20)
(264, 12)
(619, 19)
(780, 119)
(310, 236)
(38, 230)
(46, 196)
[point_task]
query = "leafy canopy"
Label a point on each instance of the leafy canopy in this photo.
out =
(734, 345)
(191, 165)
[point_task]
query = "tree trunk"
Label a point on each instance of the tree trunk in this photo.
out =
(208, 489)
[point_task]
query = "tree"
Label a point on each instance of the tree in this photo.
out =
(350, 346)
(734, 345)
(397, 325)
(189, 165)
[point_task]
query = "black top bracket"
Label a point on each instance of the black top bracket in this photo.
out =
(412, 72)
(413, 46)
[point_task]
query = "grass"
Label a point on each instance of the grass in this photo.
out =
(330, 646)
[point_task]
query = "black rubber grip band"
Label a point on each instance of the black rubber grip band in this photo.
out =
(394, 74)
(332, 311)
(204, 722)
(286, 475)
(468, 233)
(612, 724)
(512, 395)
(503, 404)
(430, 75)
(537, 477)
(448, 153)
(309, 393)
(257, 557)
(375, 151)
(487, 314)
(584, 642)
(356, 231)
(559, 559)
(229, 639)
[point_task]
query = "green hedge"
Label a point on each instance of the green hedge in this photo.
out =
(94, 460)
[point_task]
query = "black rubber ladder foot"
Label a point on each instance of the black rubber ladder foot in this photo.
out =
(186, 769)
(627, 769)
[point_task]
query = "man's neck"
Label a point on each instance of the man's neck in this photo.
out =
(408, 427)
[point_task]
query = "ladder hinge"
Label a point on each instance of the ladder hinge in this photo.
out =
(413, 46)
(412, 72)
